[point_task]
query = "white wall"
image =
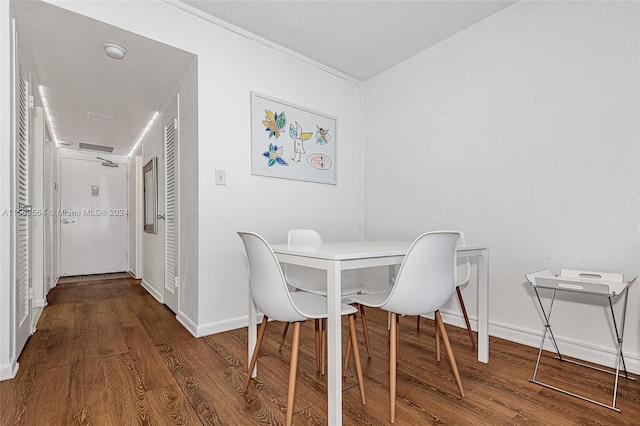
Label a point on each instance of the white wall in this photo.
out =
(37, 195)
(188, 233)
(135, 212)
(153, 146)
(7, 360)
(523, 132)
(229, 68)
(50, 203)
(153, 243)
(55, 220)
(133, 215)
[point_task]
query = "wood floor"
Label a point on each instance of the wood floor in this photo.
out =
(106, 353)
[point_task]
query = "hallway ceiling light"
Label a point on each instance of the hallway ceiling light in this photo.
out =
(144, 132)
(47, 112)
(114, 50)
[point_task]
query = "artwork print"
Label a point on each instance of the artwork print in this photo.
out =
(292, 142)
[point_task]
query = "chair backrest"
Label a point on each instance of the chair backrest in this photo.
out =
(304, 237)
(427, 276)
(300, 275)
(464, 266)
(266, 282)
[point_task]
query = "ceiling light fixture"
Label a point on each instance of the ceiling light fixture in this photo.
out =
(114, 50)
(144, 132)
(47, 112)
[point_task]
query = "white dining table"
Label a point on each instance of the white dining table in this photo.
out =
(335, 257)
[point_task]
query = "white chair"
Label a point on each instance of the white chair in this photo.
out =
(464, 274)
(425, 281)
(310, 279)
(272, 297)
(315, 281)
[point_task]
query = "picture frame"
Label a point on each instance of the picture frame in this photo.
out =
(150, 188)
(292, 142)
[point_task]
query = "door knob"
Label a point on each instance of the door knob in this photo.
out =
(65, 221)
(161, 216)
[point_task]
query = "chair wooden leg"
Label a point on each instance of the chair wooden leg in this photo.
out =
(435, 323)
(356, 355)
(418, 324)
(254, 357)
(293, 369)
(284, 335)
(365, 330)
(393, 347)
(447, 346)
(397, 334)
(317, 330)
(323, 337)
(466, 318)
(347, 354)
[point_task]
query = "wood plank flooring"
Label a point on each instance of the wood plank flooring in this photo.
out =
(107, 353)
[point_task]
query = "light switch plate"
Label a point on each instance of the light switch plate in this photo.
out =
(221, 177)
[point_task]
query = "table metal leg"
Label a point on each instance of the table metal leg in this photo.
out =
(619, 355)
(620, 338)
(547, 328)
(483, 307)
(334, 344)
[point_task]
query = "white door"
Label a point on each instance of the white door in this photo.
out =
(94, 217)
(171, 215)
(23, 210)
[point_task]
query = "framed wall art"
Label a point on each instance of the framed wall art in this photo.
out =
(150, 185)
(292, 142)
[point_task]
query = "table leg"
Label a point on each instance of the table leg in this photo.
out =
(483, 306)
(334, 344)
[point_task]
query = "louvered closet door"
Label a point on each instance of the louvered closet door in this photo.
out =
(23, 209)
(171, 215)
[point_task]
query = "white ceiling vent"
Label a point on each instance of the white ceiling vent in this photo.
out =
(99, 117)
(92, 147)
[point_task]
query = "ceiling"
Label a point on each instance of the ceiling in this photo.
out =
(94, 99)
(358, 38)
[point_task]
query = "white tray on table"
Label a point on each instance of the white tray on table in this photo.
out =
(600, 283)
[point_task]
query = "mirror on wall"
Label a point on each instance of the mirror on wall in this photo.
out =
(150, 176)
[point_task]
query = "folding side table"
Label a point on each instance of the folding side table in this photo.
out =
(598, 284)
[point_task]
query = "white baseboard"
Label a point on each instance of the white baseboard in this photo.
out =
(222, 326)
(187, 323)
(38, 303)
(9, 370)
(36, 314)
(572, 348)
(601, 355)
(133, 275)
(152, 291)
